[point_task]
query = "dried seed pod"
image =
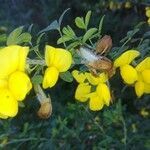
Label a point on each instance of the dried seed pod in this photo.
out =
(45, 110)
(104, 45)
(103, 65)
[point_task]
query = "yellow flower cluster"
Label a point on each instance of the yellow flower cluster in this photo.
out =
(58, 60)
(147, 9)
(138, 76)
(113, 5)
(98, 97)
(14, 82)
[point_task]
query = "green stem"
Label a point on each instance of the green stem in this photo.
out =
(36, 62)
(61, 37)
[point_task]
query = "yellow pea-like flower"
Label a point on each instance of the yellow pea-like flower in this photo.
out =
(104, 93)
(8, 104)
(50, 77)
(79, 77)
(147, 88)
(139, 88)
(96, 103)
(58, 57)
(82, 91)
(148, 13)
(19, 84)
(129, 74)
(146, 76)
(143, 65)
(126, 58)
(58, 60)
(14, 55)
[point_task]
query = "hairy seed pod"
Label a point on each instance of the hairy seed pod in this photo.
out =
(104, 45)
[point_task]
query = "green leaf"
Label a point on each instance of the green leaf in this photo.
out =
(53, 26)
(87, 18)
(66, 76)
(80, 23)
(62, 15)
(37, 79)
(63, 39)
(101, 24)
(23, 38)
(69, 31)
(14, 35)
(88, 34)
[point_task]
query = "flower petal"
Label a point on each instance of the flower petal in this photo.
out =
(23, 52)
(59, 58)
(3, 83)
(96, 103)
(129, 74)
(19, 84)
(139, 88)
(83, 89)
(145, 64)
(8, 60)
(126, 58)
(146, 76)
(104, 92)
(50, 77)
(80, 77)
(8, 104)
(92, 79)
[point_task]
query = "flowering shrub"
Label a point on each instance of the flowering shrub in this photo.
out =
(94, 72)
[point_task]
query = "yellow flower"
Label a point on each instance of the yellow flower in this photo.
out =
(83, 89)
(19, 84)
(148, 13)
(148, 21)
(14, 82)
(80, 77)
(126, 58)
(128, 5)
(128, 73)
(96, 103)
(143, 84)
(104, 93)
(103, 77)
(58, 60)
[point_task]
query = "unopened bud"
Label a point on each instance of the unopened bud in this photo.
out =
(103, 45)
(45, 110)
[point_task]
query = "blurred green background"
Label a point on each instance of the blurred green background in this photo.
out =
(72, 125)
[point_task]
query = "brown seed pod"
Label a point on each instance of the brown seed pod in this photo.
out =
(45, 110)
(102, 65)
(104, 45)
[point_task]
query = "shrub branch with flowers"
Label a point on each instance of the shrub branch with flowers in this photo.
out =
(25, 67)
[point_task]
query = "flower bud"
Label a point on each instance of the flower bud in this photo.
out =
(45, 110)
(104, 44)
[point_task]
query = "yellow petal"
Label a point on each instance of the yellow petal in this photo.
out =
(19, 84)
(93, 80)
(145, 64)
(59, 58)
(103, 77)
(147, 88)
(129, 74)
(146, 76)
(23, 52)
(49, 55)
(139, 88)
(148, 13)
(8, 60)
(50, 77)
(80, 77)
(126, 58)
(96, 103)
(83, 89)
(104, 92)
(8, 104)
(3, 116)
(3, 83)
